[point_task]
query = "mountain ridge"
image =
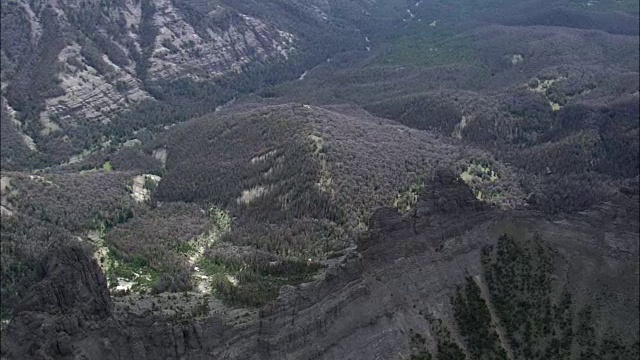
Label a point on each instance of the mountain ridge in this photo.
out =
(366, 279)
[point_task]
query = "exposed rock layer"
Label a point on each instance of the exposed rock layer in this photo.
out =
(104, 48)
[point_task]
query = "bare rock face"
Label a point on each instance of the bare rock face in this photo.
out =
(366, 305)
(71, 281)
(447, 207)
(212, 42)
(403, 275)
(96, 56)
(71, 294)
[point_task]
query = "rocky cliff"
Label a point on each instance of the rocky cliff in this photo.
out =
(87, 61)
(69, 297)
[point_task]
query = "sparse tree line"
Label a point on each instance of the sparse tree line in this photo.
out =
(539, 322)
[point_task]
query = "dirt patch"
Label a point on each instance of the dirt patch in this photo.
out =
(161, 154)
(6, 209)
(221, 225)
(543, 86)
(457, 131)
(319, 153)
(140, 188)
(248, 196)
(263, 158)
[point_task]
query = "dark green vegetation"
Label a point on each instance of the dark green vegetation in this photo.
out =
(446, 349)
(541, 321)
(474, 322)
(154, 238)
(300, 185)
(299, 168)
(257, 282)
(267, 178)
(520, 283)
(537, 314)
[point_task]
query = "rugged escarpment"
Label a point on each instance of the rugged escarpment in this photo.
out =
(446, 208)
(70, 281)
(393, 296)
(412, 271)
(68, 313)
(90, 60)
(70, 295)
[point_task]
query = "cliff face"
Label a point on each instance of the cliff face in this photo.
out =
(403, 277)
(86, 61)
(400, 281)
(70, 296)
(402, 272)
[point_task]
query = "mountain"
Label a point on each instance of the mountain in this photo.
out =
(102, 52)
(69, 66)
(320, 179)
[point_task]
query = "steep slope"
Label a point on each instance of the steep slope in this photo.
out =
(411, 267)
(404, 290)
(70, 69)
(167, 61)
(102, 53)
(302, 182)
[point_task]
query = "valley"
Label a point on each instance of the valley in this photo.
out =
(320, 179)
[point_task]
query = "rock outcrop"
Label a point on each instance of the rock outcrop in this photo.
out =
(446, 208)
(71, 295)
(70, 281)
(108, 50)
